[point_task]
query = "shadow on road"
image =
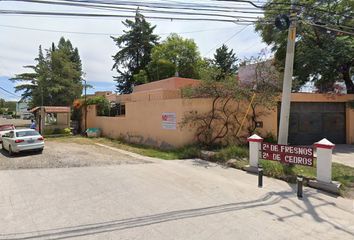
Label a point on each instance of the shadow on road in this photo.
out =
(129, 223)
(6, 154)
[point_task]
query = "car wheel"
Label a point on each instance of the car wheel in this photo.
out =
(2, 145)
(40, 150)
(10, 151)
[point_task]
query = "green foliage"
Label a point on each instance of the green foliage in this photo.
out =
(224, 123)
(55, 79)
(56, 131)
(102, 105)
(10, 105)
(135, 47)
(231, 151)
(175, 54)
(225, 61)
(270, 138)
(321, 56)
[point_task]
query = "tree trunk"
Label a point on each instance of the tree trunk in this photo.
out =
(348, 81)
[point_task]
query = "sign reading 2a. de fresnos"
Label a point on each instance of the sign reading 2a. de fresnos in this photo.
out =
(288, 154)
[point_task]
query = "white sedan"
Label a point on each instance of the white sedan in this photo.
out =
(22, 140)
(5, 129)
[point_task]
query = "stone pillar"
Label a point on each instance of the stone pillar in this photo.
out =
(254, 152)
(324, 167)
(324, 160)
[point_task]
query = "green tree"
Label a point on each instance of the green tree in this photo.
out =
(225, 61)
(55, 78)
(175, 54)
(2, 103)
(321, 55)
(135, 47)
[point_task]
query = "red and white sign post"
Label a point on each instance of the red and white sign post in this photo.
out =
(255, 147)
(324, 167)
(300, 155)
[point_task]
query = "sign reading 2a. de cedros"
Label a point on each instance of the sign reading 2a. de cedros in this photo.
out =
(287, 154)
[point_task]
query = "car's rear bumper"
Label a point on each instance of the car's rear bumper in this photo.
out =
(29, 147)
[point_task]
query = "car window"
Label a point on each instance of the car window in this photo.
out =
(26, 133)
(11, 134)
(6, 128)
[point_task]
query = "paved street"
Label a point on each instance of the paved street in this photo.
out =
(344, 153)
(164, 200)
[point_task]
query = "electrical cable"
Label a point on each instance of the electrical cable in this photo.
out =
(41, 13)
(329, 28)
(227, 40)
(8, 92)
(99, 33)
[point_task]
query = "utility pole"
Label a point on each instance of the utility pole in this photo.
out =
(85, 104)
(288, 75)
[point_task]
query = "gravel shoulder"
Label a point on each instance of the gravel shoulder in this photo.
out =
(65, 154)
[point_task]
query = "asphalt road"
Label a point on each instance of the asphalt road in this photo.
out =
(156, 199)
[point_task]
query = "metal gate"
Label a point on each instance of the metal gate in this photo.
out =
(311, 122)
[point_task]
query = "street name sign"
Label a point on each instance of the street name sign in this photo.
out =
(300, 155)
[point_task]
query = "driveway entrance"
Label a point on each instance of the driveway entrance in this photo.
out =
(313, 121)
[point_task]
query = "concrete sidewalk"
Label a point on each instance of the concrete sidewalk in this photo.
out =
(164, 200)
(344, 154)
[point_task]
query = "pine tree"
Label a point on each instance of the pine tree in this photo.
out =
(135, 47)
(56, 76)
(225, 61)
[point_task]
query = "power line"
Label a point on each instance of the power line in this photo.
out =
(42, 13)
(329, 28)
(115, 7)
(227, 40)
(100, 33)
(8, 92)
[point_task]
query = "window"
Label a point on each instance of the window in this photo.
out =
(51, 119)
(121, 109)
(27, 133)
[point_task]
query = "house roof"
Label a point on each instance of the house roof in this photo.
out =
(52, 109)
(172, 83)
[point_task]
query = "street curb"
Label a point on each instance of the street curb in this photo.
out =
(131, 154)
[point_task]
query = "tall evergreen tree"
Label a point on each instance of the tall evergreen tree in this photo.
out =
(225, 61)
(56, 76)
(135, 47)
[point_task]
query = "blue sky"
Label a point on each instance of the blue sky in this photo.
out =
(19, 45)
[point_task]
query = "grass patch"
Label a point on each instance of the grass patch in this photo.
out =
(179, 153)
(231, 152)
(341, 173)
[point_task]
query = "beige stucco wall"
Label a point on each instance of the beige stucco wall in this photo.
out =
(143, 124)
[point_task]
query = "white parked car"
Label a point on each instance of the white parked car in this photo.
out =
(5, 129)
(19, 140)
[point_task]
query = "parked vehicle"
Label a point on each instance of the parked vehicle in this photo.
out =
(19, 140)
(28, 116)
(5, 129)
(7, 116)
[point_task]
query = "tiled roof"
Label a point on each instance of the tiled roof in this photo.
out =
(52, 109)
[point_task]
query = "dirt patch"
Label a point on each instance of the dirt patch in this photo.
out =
(64, 155)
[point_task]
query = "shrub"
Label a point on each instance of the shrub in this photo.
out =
(188, 152)
(231, 151)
